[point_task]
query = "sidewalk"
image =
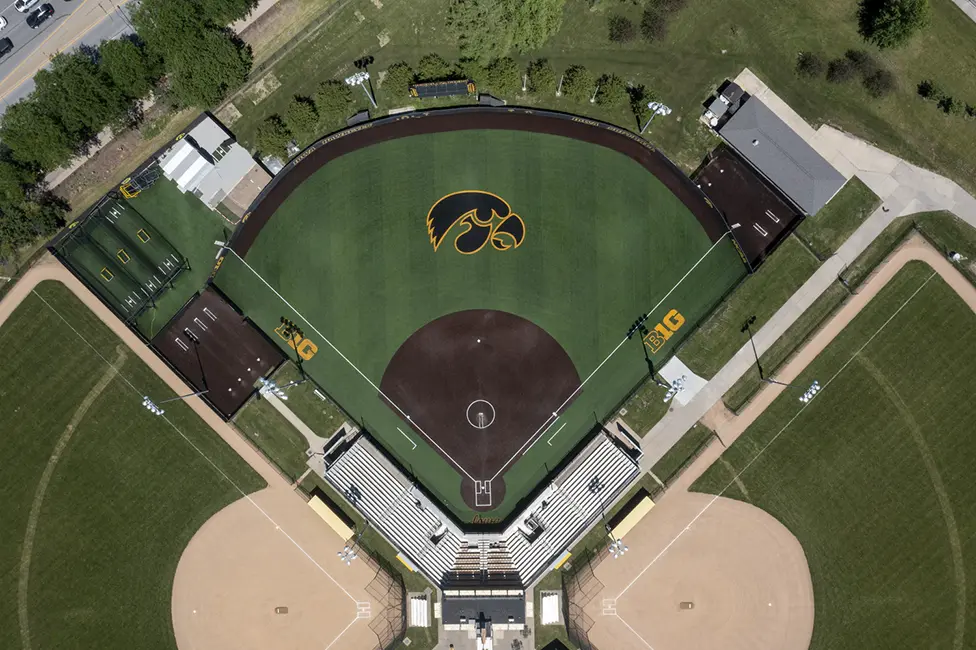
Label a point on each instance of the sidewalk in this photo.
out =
(904, 188)
(968, 6)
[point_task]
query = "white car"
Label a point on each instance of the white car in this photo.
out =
(3, 22)
(23, 5)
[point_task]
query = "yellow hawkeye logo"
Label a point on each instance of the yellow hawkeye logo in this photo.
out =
(483, 216)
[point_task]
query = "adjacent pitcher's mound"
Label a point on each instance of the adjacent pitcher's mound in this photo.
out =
(736, 579)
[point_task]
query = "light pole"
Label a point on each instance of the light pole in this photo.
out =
(360, 79)
(559, 88)
(595, 92)
(657, 108)
(815, 387)
(154, 408)
(617, 548)
(271, 387)
(638, 326)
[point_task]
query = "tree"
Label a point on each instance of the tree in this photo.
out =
(398, 78)
(810, 65)
(489, 29)
(504, 76)
(841, 70)
(433, 67)
(578, 83)
(302, 119)
(890, 23)
(669, 6)
(951, 106)
(930, 90)
(131, 68)
(863, 62)
(612, 92)
(542, 78)
(80, 95)
(332, 99)
(640, 97)
(880, 84)
(34, 137)
(654, 26)
(224, 12)
(273, 137)
(620, 29)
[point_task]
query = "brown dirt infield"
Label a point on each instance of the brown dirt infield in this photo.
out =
(744, 573)
(480, 362)
(241, 565)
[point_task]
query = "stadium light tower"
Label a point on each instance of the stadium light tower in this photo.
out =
(747, 328)
(657, 108)
(154, 408)
(638, 326)
(360, 79)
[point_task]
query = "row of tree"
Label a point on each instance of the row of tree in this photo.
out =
(183, 51)
(855, 64)
(944, 100)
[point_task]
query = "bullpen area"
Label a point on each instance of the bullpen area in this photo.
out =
(463, 283)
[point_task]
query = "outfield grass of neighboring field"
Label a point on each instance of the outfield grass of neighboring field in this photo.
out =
(126, 493)
(875, 475)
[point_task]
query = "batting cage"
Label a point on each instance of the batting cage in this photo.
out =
(120, 256)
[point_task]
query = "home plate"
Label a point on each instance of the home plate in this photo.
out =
(674, 369)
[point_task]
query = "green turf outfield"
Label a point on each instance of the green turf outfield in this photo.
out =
(124, 497)
(605, 241)
(875, 476)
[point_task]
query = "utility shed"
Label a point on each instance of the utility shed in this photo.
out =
(782, 156)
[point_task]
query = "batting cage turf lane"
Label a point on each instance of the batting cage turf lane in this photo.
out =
(604, 241)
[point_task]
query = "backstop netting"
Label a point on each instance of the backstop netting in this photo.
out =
(580, 586)
(389, 624)
(121, 256)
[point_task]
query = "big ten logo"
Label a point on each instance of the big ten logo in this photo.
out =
(295, 337)
(481, 217)
(660, 333)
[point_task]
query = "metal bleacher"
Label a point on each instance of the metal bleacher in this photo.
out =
(450, 558)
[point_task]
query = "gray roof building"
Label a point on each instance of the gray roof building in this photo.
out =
(782, 156)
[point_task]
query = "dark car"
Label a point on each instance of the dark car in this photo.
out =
(37, 18)
(5, 46)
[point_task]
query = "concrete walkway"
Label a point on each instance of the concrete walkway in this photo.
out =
(968, 7)
(904, 189)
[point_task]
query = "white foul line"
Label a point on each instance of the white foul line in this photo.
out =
(407, 437)
(773, 439)
(634, 631)
(351, 364)
(549, 441)
(548, 423)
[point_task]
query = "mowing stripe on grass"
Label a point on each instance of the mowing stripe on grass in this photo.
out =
(745, 467)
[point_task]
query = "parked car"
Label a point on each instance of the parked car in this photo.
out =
(5, 46)
(3, 22)
(37, 18)
(24, 5)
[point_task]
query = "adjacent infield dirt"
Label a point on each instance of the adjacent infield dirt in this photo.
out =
(467, 118)
(480, 362)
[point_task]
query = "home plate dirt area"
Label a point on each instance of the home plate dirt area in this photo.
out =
(735, 579)
(480, 385)
(244, 583)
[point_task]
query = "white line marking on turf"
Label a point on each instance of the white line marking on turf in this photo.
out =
(634, 631)
(535, 437)
(549, 442)
(774, 438)
(351, 364)
(202, 455)
(407, 437)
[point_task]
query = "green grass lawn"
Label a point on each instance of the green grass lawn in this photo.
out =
(825, 231)
(274, 436)
(645, 407)
(760, 295)
(687, 446)
(874, 476)
(779, 352)
(124, 498)
(593, 259)
(322, 416)
(192, 228)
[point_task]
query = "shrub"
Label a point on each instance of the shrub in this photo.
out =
(621, 30)
(863, 62)
(930, 90)
(302, 119)
(890, 23)
(612, 92)
(840, 71)
(578, 83)
(970, 111)
(542, 78)
(654, 26)
(273, 137)
(504, 76)
(809, 64)
(332, 99)
(950, 105)
(640, 97)
(880, 84)
(398, 78)
(433, 67)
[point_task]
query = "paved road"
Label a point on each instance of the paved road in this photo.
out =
(75, 23)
